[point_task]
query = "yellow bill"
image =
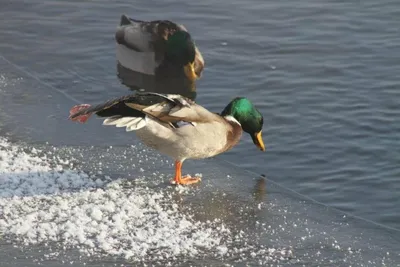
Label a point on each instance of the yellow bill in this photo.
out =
(258, 141)
(189, 71)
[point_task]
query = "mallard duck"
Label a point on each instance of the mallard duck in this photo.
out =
(178, 127)
(158, 48)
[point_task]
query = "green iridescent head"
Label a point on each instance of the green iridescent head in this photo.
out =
(181, 50)
(249, 117)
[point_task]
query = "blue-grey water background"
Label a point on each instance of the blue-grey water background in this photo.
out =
(325, 75)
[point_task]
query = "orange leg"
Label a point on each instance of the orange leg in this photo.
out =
(183, 180)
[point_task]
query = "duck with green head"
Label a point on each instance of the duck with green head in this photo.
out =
(178, 127)
(161, 49)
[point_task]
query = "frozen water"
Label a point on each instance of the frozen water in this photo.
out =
(43, 202)
(92, 202)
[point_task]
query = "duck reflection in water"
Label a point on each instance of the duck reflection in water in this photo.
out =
(260, 189)
(158, 56)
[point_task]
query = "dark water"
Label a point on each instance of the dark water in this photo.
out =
(324, 74)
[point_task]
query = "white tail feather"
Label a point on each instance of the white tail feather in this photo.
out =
(138, 125)
(111, 120)
(135, 124)
(131, 123)
(143, 62)
(123, 122)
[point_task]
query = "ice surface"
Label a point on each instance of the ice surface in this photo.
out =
(43, 202)
(113, 204)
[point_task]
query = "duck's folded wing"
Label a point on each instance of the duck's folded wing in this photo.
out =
(151, 36)
(142, 36)
(133, 35)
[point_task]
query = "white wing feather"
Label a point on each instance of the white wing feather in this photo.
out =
(131, 123)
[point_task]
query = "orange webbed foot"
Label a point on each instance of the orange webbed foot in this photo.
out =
(187, 180)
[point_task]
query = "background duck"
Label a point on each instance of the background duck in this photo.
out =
(161, 54)
(178, 127)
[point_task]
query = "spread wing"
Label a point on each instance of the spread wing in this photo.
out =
(166, 108)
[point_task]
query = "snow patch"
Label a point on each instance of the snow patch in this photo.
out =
(44, 202)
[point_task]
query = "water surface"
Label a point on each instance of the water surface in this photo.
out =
(324, 74)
